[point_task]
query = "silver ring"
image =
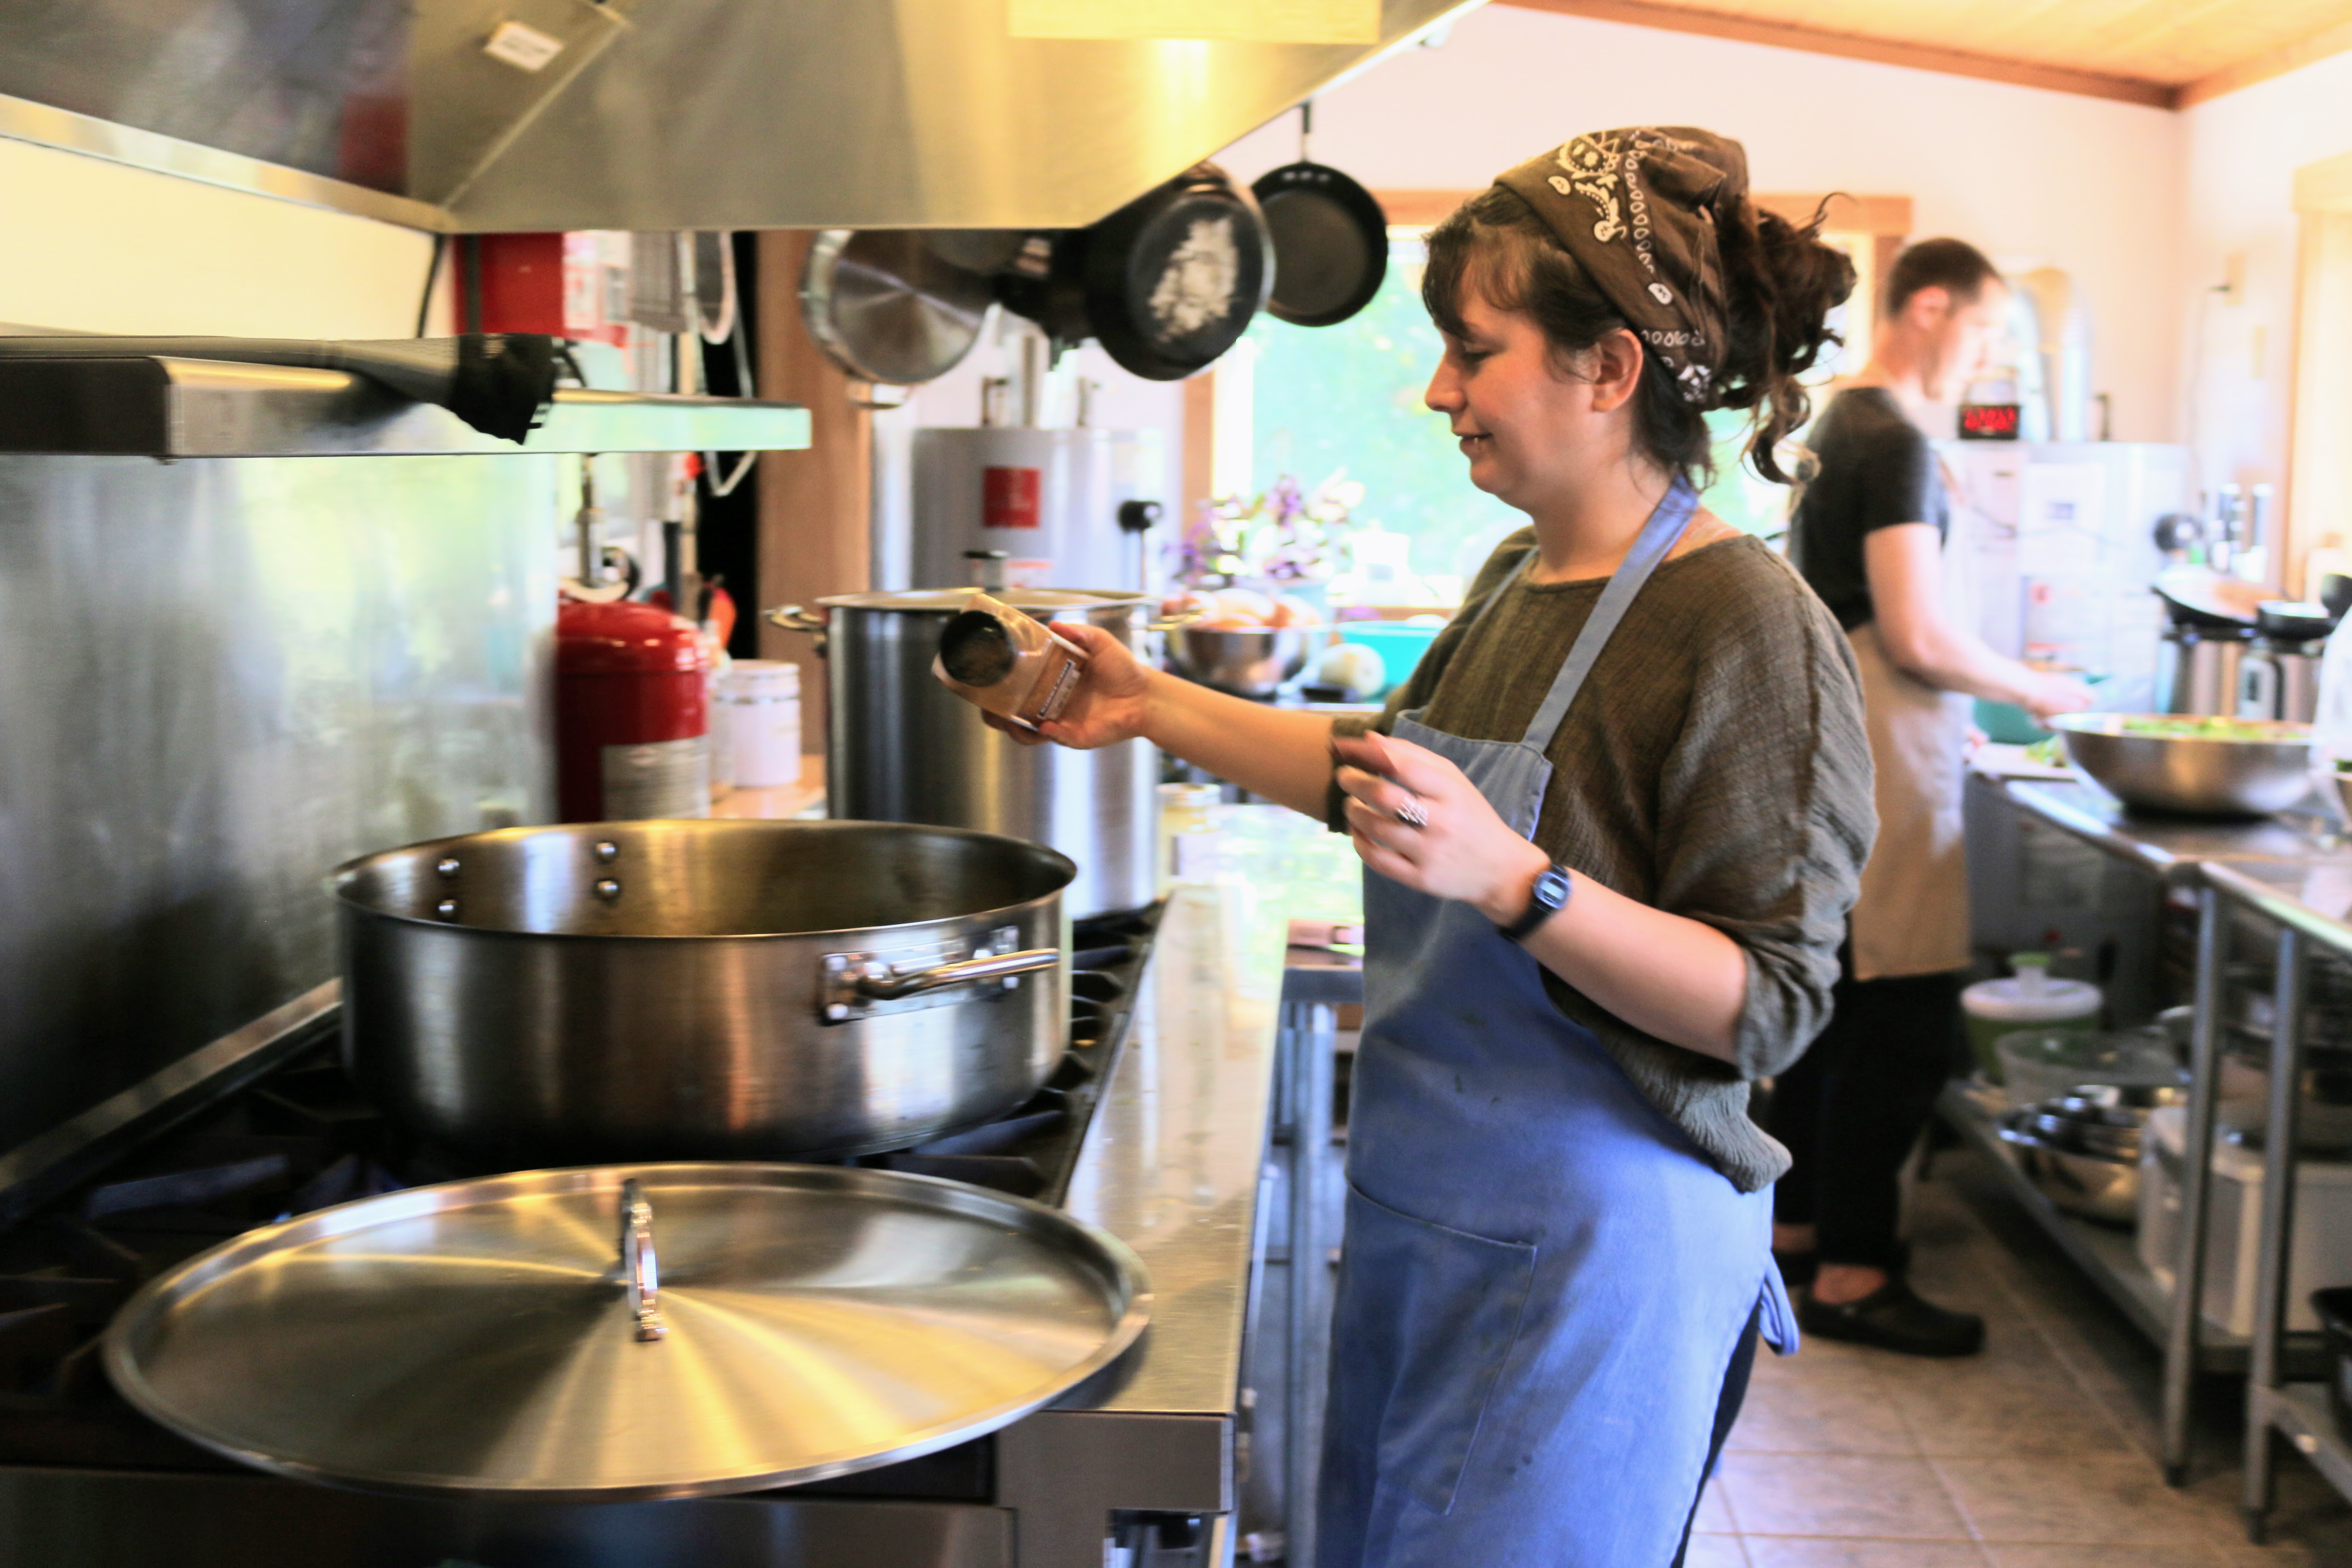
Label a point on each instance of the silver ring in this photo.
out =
(1412, 814)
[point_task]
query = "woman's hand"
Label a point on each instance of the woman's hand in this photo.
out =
(1109, 704)
(1458, 848)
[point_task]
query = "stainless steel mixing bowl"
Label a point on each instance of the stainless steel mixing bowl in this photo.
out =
(2209, 775)
(1247, 661)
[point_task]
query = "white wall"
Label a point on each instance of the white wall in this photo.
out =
(2036, 178)
(2239, 202)
(96, 247)
(2033, 177)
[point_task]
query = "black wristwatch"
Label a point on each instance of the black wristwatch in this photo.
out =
(1549, 897)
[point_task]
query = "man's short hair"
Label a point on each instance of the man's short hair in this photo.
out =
(1954, 265)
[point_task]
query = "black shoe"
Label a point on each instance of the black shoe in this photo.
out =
(1797, 1269)
(1893, 1318)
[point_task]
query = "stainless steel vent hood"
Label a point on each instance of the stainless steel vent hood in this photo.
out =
(650, 114)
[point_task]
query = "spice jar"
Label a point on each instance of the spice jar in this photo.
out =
(1007, 663)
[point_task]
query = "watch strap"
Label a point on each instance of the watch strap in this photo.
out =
(1545, 899)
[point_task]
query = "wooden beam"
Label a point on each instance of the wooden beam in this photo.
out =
(1199, 486)
(1883, 216)
(2325, 186)
(2263, 66)
(1420, 209)
(816, 506)
(1848, 46)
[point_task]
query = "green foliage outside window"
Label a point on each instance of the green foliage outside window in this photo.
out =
(1349, 397)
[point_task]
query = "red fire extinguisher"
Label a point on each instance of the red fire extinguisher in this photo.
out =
(632, 713)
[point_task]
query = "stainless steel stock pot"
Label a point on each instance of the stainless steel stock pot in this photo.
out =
(900, 747)
(704, 990)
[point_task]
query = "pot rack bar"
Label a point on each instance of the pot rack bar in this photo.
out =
(166, 407)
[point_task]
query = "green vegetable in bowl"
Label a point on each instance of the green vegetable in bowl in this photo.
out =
(2201, 727)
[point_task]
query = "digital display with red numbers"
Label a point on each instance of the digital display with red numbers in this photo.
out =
(1988, 421)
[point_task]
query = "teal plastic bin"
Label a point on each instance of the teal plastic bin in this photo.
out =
(1400, 645)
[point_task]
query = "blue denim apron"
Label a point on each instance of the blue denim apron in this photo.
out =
(1543, 1279)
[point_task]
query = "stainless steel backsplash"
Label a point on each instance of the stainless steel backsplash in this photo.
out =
(218, 680)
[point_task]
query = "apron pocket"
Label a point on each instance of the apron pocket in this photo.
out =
(1427, 1317)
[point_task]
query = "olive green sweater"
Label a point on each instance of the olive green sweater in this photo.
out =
(1714, 765)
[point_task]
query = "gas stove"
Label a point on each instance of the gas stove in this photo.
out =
(301, 1136)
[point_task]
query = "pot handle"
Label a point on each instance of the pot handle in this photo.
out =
(1004, 965)
(1170, 623)
(640, 1275)
(794, 618)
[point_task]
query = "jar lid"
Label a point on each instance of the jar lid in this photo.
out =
(2030, 1001)
(763, 678)
(949, 600)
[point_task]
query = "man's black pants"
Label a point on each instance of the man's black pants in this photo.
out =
(1853, 1105)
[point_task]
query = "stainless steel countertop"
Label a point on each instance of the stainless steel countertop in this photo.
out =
(2295, 856)
(1171, 1164)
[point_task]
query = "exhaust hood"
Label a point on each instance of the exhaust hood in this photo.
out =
(509, 115)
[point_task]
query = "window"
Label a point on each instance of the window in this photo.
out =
(1325, 401)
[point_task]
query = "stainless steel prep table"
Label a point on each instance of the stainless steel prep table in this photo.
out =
(2290, 854)
(1172, 1166)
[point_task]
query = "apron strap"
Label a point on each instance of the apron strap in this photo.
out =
(1657, 537)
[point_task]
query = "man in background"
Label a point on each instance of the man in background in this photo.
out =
(1868, 534)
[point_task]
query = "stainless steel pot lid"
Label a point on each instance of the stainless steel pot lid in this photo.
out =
(952, 599)
(627, 1332)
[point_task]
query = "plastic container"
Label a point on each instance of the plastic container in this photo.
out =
(2007, 724)
(2319, 1255)
(1184, 809)
(2029, 999)
(2042, 1063)
(1400, 644)
(763, 699)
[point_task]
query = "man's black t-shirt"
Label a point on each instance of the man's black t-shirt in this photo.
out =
(1876, 472)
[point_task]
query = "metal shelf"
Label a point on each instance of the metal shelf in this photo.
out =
(2106, 1255)
(159, 406)
(2299, 1410)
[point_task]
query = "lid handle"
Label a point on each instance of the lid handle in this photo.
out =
(640, 1274)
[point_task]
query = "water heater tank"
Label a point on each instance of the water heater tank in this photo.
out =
(1069, 508)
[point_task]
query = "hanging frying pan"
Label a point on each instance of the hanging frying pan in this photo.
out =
(1331, 240)
(1171, 280)
(886, 307)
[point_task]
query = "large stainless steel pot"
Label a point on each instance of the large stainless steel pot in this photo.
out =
(658, 990)
(900, 747)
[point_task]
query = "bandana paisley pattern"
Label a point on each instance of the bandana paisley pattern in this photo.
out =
(1635, 207)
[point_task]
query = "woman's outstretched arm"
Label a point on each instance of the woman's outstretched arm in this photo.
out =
(1277, 752)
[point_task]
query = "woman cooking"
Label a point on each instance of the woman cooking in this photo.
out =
(1610, 829)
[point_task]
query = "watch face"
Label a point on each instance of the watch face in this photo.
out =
(1551, 888)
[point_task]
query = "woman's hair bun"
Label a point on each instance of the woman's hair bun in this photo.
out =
(1780, 282)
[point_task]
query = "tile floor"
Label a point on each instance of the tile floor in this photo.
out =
(2038, 1454)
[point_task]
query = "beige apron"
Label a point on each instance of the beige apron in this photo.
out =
(1913, 915)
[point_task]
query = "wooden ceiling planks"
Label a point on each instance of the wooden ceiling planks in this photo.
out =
(2162, 53)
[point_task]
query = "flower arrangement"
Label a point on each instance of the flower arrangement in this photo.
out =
(1281, 535)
